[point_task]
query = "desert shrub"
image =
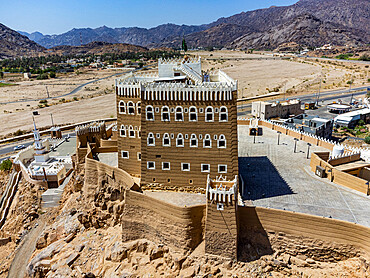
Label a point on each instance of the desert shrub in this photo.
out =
(42, 76)
(18, 132)
(52, 74)
(6, 165)
(43, 101)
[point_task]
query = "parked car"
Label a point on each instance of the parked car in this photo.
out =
(19, 147)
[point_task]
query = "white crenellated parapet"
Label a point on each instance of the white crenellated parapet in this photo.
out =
(220, 190)
(94, 127)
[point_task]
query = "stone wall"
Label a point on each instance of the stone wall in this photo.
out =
(146, 217)
(337, 176)
(264, 231)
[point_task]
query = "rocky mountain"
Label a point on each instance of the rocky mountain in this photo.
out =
(132, 35)
(96, 48)
(341, 22)
(14, 44)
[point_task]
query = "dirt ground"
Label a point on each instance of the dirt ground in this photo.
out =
(96, 100)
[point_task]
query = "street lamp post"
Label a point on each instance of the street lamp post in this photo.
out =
(278, 136)
(254, 139)
(368, 189)
(308, 150)
(295, 144)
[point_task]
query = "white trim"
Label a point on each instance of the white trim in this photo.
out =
(169, 166)
(138, 156)
(128, 154)
(123, 128)
(222, 172)
(180, 136)
(196, 114)
(193, 137)
(146, 112)
(182, 114)
(221, 138)
(138, 106)
(212, 113)
(205, 171)
(182, 167)
(130, 104)
(150, 135)
(131, 129)
(166, 136)
(222, 113)
(207, 137)
(147, 165)
(168, 112)
(120, 106)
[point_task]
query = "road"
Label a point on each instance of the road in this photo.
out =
(9, 148)
(67, 94)
(331, 95)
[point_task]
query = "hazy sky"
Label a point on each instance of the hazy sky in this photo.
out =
(55, 17)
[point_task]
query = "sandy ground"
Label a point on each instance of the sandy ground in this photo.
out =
(255, 77)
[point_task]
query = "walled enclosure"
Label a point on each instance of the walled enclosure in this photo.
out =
(337, 176)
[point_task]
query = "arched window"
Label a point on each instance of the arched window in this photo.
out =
(122, 107)
(130, 108)
(131, 132)
(165, 114)
(149, 113)
(179, 115)
(138, 106)
(166, 140)
(180, 140)
(223, 114)
(221, 142)
(207, 141)
(122, 131)
(193, 141)
(193, 114)
(209, 114)
(151, 139)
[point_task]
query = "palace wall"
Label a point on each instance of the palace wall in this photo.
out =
(158, 221)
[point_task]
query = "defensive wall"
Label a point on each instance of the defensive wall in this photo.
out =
(147, 217)
(347, 179)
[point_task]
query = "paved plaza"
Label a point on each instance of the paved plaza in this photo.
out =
(276, 177)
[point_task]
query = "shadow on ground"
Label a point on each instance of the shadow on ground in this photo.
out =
(261, 179)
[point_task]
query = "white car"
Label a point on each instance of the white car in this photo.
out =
(19, 147)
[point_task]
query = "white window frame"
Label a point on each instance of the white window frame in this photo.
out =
(212, 113)
(139, 156)
(131, 129)
(146, 112)
(222, 113)
(221, 138)
(130, 104)
(182, 114)
(123, 128)
(166, 136)
(207, 137)
(138, 107)
(222, 172)
(168, 112)
(121, 104)
(191, 113)
(147, 165)
(128, 154)
(192, 137)
(205, 171)
(150, 135)
(180, 136)
(169, 166)
(182, 167)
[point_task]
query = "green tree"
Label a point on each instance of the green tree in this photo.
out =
(1, 74)
(184, 46)
(6, 165)
(52, 74)
(367, 139)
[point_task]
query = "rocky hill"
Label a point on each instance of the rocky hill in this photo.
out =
(341, 22)
(133, 35)
(96, 48)
(14, 44)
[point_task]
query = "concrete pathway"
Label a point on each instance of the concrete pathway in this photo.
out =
(276, 177)
(52, 196)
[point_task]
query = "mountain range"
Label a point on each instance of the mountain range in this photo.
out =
(309, 23)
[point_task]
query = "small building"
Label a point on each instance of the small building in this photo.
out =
(311, 124)
(338, 108)
(55, 132)
(266, 110)
(352, 118)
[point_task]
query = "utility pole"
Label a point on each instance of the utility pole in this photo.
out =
(47, 91)
(52, 122)
(318, 94)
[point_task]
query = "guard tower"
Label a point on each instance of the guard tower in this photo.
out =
(221, 232)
